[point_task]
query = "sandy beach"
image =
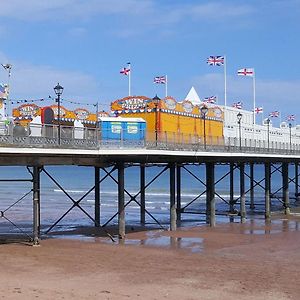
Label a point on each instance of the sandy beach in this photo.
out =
(232, 261)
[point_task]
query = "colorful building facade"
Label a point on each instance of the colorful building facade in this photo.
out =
(172, 121)
(27, 112)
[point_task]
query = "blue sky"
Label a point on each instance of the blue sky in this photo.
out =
(83, 44)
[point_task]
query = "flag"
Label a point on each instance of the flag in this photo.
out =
(3, 91)
(6, 66)
(259, 110)
(126, 70)
(246, 72)
(216, 60)
(291, 118)
(211, 99)
(274, 114)
(237, 105)
(160, 79)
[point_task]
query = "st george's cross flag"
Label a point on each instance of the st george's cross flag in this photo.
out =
(216, 60)
(160, 79)
(246, 72)
(259, 110)
(125, 70)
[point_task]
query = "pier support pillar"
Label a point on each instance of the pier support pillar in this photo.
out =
(142, 195)
(296, 180)
(97, 197)
(210, 194)
(242, 193)
(252, 206)
(267, 191)
(172, 197)
(231, 192)
(285, 187)
(36, 205)
(178, 192)
(121, 200)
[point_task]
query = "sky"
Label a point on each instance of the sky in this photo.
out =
(83, 44)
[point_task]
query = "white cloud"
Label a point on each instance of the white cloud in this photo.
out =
(156, 12)
(77, 31)
(29, 81)
(132, 17)
(271, 94)
(32, 10)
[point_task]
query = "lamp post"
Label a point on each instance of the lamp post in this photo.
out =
(239, 120)
(204, 111)
(268, 124)
(58, 91)
(290, 127)
(156, 100)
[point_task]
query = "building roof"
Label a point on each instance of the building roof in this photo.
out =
(193, 96)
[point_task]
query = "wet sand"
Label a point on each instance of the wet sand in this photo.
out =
(232, 261)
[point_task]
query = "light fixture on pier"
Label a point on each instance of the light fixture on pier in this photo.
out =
(204, 111)
(290, 127)
(156, 101)
(58, 89)
(268, 121)
(239, 120)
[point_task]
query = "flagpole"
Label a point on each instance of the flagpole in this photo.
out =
(254, 97)
(225, 82)
(129, 79)
(279, 118)
(97, 113)
(166, 85)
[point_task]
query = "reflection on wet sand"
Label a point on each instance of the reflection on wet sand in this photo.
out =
(270, 226)
(195, 245)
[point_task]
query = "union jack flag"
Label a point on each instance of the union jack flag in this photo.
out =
(211, 99)
(160, 79)
(216, 60)
(274, 114)
(126, 70)
(237, 105)
(291, 118)
(259, 110)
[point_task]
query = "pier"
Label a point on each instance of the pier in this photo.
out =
(174, 160)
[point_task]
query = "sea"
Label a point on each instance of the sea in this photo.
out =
(16, 197)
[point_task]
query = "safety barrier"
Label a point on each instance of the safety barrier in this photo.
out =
(54, 136)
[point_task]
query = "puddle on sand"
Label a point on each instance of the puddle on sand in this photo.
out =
(194, 245)
(261, 231)
(271, 227)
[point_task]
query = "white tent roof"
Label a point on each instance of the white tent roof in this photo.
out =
(193, 96)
